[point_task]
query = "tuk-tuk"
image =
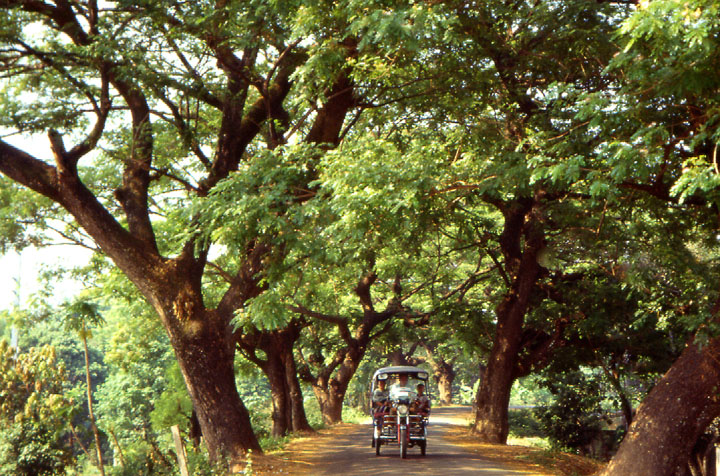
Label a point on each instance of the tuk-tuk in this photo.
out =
(400, 408)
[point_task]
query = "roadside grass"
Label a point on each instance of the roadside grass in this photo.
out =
(532, 441)
(529, 449)
(355, 415)
(350, 415)
(270, 443)
(525, 429)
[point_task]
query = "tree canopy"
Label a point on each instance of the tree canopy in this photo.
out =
(297, 185)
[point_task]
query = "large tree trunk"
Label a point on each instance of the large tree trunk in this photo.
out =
(279, 367)
(281, 413)
(330, 392)
(444, 376)
(493, 397)
(522, 219)
(204, 345)
(331, 404)
(673, 416)
(299, 420)
(205, 353)
(443, 371)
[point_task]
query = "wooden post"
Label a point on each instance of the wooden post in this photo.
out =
(180, 450)
(717, 460)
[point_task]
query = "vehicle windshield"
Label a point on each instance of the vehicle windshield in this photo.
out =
(402, 385)
(409, 382)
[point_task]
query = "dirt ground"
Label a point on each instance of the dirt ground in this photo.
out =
(544, 462)
(345, 449)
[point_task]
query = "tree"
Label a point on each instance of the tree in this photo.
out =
(660, 139)
(79, 316)
(34, 412)
(518, 116)
(443, 370)
(163, 102)
(278, 365)
(350, 248)
(331, 377)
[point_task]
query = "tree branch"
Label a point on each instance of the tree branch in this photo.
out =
(340, 322)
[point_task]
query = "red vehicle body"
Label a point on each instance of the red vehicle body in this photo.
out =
(401, 419)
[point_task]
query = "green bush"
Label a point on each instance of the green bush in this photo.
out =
(34, 410)
(524, 423)
(574, 417)
(31, 448)
(354, 415)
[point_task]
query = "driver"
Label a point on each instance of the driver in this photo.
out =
(400, 386)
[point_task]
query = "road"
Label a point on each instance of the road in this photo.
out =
(351, 454)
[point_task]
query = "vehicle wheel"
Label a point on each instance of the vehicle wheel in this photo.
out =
(377, 447)
(423, 446)
(403, 442)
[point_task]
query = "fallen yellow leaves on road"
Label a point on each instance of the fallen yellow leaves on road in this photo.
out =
(538, 461)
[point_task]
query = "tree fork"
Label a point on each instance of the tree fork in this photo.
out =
(279, 367)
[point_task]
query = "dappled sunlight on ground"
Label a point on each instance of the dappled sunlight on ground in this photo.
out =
(345, 449)
(529, 458)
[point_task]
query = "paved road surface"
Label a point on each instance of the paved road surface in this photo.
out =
(353, 455)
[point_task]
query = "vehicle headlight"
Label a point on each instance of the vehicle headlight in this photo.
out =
(402, 409)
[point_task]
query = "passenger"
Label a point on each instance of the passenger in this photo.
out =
(421, 406)
(380, 407)
(381, 398)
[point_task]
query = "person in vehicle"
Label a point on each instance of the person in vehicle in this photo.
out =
(421, 405)
(381, 398)
(400, 386)
(380, 406)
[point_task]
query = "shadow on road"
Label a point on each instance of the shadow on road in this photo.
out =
(352, 454)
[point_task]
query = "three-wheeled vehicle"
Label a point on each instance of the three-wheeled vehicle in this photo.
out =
(399, 412)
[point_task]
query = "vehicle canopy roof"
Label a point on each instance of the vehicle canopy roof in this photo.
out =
(414, 372)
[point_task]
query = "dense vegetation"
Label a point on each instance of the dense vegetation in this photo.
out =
(280, 196)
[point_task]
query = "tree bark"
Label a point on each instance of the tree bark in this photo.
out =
(281, 413)
(443, 371)
(399, 357)
(522, 223)
(280, 369)
(493, 397)
(330, 391)
(673, 415)
(299, 422)
(331, 403)
(444, 375)
(205, 352)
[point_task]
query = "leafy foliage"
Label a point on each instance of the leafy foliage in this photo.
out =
(574, 418)
(34, 411)
(603, 114)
